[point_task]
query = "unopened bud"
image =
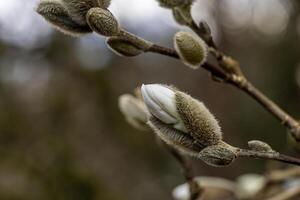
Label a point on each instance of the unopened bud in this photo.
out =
(56, 13)
(104, 3)
(103, 22)
(134, 111)
(174, 137)
(192, 50)
(174, 3)
(123, 47)
(79, 8)
(218, 155)
(249, 185)
(260, 146)
(182, 15)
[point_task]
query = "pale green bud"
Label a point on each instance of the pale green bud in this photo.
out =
(192, 50)
(260, 146)
(123, 47)
(220, 155)
(55, 12)
(103, 22)
(182, 15)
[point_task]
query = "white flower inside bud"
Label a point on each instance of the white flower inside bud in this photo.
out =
(160, 101)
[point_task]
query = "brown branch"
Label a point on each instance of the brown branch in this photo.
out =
(287, 194)
(268, 156)
(282, 175)
(195, 189)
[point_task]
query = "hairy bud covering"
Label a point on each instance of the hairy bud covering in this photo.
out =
(103, 22)
(56, 13)
(260, 146)
(218, 155)
(174, 3)
(104, 3)
(123, 47)
(79, 8)
(198, 120)
(174, 137)
(192, 50)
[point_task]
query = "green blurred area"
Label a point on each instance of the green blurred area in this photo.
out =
(63, 137)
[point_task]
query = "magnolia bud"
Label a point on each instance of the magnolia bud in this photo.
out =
(174, 3)
(123, 47)
(192, 50)
(134, 111)
(104, 3)
(182, 15)
(79, 8)
(174, 137)
(55, 12)
(218, 155)
(260, 146)
(198, 120)
(182, 112)
(103, 22)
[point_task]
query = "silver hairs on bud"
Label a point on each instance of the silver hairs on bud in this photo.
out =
(103, 22)
(55, 12)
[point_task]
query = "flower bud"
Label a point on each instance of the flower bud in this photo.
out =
(55, 12)
(192, 50)
(79, 8)
(123, 47)
(134, 111)
(182, 112)
(182, 15)
(160, 101)
(174, 137)
(103, 22)
(198, 120)
(218, 155)
(104, 3)
(260, 146)
(174, 3)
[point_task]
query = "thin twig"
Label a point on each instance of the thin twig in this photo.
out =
(195, 189)
(287, 194)
(268, 155)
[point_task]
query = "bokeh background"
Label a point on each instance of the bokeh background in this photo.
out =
(62, 135)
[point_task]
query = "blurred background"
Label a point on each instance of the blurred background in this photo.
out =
(62, 135)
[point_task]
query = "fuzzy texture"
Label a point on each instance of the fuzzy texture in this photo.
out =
(134, 111)
(198, 120)
(174, 3)
(103, 22)
(218, 155)
(55, 12)
(182, 15)
(174, 137)
(79, 8)
(134, 40)
(192, 50)
(123, 47)
(260, 146)
(104, 3)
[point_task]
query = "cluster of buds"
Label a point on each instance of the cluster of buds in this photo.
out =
(185, 124)
(77, 17)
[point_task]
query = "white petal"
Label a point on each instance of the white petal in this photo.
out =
(181, 192)
(158, 103)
